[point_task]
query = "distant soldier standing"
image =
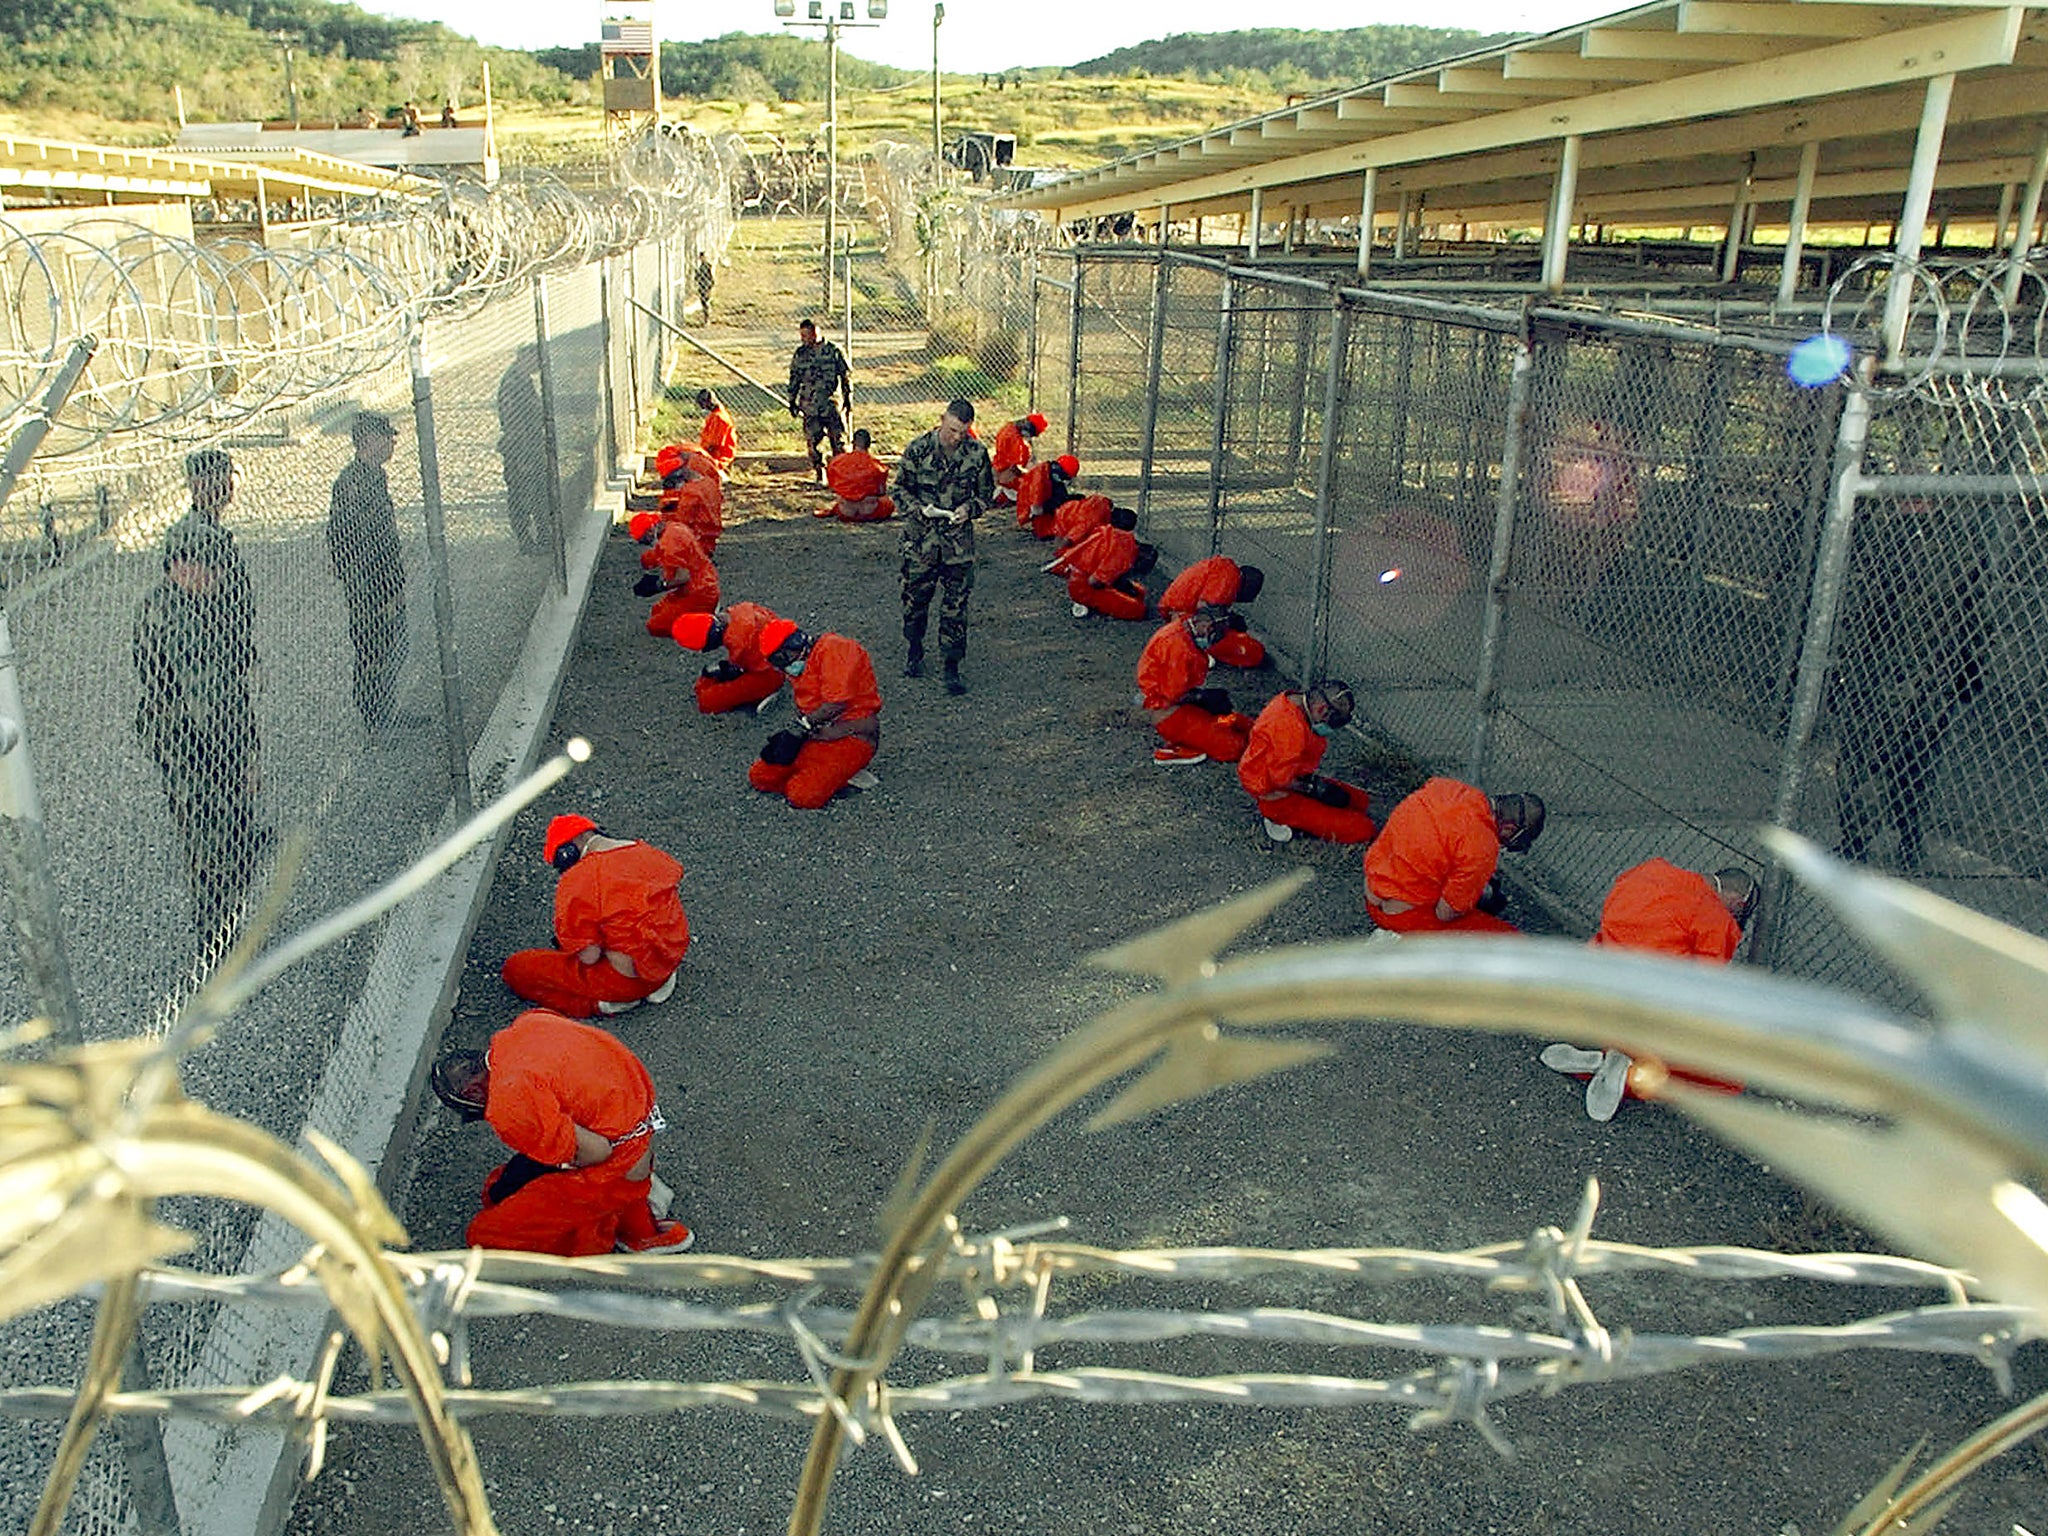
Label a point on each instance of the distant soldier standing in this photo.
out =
(943, 482)
(362, 543)
(818, 372)
(705, 278)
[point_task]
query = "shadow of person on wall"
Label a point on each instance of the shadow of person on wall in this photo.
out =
(521, 451)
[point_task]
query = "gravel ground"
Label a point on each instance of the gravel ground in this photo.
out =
(898, 957)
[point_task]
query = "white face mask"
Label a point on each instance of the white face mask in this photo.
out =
(1322, 727)
(795, 668)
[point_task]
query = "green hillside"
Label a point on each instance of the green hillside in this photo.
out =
(740, 66)
(106, 70)
(1288, 60)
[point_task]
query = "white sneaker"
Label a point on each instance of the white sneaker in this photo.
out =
(659, 1196)
(1603, 1094)
(1080, 610)
(864, 780)
(1571, 1058)
(1279, 832)
(667, 989)
(612, 1010)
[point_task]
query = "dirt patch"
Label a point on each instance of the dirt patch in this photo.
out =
(896, 958)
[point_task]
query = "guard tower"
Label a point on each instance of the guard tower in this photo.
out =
(632, 69)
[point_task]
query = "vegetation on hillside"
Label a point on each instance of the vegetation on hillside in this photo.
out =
(105, 70)
(1281, 59)
(67, 59)
(739, 66)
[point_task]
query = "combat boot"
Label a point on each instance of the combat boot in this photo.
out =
(913, 664)
(955, 684)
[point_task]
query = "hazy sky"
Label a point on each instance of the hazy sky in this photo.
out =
(986, 34)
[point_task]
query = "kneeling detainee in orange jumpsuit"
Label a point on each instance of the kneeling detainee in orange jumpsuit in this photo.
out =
(1658, 907)
(691, 496)
(577, 1109)
(1431, 870)
(857, 479)
(620, 931)
(1195, 722)
(1042, 490)
(1080, 516)
(1102, 571)
(1219, 582)
(1010, 454)
(1280, 761)
(744, 679)
(683, 580)
(838, 717)
(717, 440)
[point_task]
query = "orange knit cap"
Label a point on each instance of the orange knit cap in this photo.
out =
(1069, 465)
(693, 631)
(639, 523)
(1037, 422)
(564, 829)
(773, 634)
(668, 458)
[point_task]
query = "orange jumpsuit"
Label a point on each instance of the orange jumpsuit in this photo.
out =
(1284, 747)
(719, 442)
(1170, 667)
(1094, 568)
(677, 553)
(1214, 582)
(1441, 843)
(624, 900)
(837, 671)
(1659, 907)
(743, 625)
(698, 505)
(858, 479)
(1076, 519)
(548, 1076)
(1036, 488)
(1007, 458)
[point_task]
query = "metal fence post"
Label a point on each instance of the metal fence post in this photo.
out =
(24, 846)
(1486, 689)
(1031, 361)
(1074, 361)
(1830, 577)
(630, 262)
(39, 940)
(610, 465)
(437, 560)
(550, 435)
(1316, 653)
(1297, 400)
(1225, 325)
(1161, 279)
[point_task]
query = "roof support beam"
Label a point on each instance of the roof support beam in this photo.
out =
(1557, 229)
(1898, 293)
(1795, 231)
(2023, 227)
(1698, 47)
(1980, 40)
(1368, 215)
(1775, 20)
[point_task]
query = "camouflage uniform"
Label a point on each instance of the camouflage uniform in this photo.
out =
(938, 552)
(816, 374)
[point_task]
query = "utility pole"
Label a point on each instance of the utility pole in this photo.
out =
(831, 15)
(291, 88)
(938, 16)
(831, 151)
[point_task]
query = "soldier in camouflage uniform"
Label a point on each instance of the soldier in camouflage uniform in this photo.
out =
(195, 651)
(817, 372)
(943, 482)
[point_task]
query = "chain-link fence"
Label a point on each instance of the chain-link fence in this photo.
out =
(1606, 559)
(307, 630)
